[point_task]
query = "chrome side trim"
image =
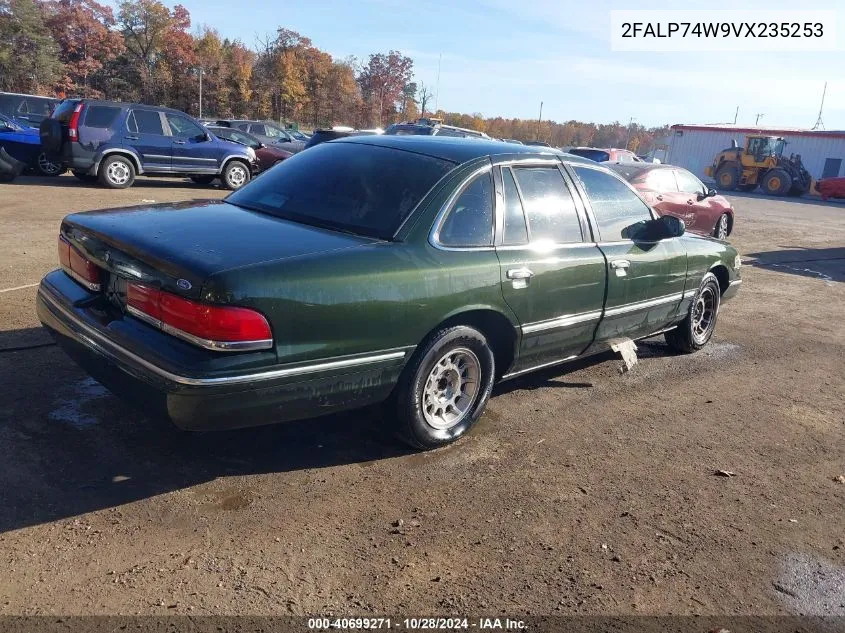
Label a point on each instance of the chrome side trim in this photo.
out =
(562, 321)
(157, 156)
(201, 160)
(538, 367)
(111, 349)
(216, 346)
(643, 305)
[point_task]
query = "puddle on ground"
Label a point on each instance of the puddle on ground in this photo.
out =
(809, 585)
(70, 410)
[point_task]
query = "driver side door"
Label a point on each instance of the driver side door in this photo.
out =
(702, 215)
(192, 150)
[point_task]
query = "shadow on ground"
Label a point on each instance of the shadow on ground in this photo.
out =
(827, 264)
(140, 182)
(811, 200)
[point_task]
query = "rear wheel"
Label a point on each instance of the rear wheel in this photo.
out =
(727, 177)
(776, 182)
(117, 172)
(696, 330)
(45, 167)
(203, 180)
(235, 175)
(444, 388)
(722, 227)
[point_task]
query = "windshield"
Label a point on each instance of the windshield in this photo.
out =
(778, 147)
(353, 187)
(600, 156)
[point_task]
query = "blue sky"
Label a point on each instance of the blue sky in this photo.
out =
(502, 57)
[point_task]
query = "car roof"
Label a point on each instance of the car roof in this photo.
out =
(457, 150)
(121, 104)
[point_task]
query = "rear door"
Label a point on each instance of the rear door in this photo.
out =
(645, 279)
(192, 149)
(552, 276)
(145, 133)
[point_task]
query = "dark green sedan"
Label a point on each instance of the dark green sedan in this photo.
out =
(414, 271)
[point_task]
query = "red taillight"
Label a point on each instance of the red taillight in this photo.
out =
(214, 327)
(74, 264)
(73, 126)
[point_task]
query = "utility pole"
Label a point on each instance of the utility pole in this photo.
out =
(757, 120)
(736, 114)
(540, 118)
(819, 122)
(437, 89)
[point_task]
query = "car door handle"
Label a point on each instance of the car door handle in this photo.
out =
(178, 142)
(690, 201)
(520, 273)
(131, 138)
(658, 197)
(620, 263)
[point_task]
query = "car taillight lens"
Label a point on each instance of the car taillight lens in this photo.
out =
(77, 266)
(224, 328)
(73, 125)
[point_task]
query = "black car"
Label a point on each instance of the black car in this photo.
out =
(26, 109)
(330, 134)
(114, 141)
(432, 127)
(266, 132)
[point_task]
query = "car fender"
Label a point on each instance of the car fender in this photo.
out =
(230, 157)
(131, 153)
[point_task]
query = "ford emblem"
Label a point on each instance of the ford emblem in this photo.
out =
(184, 284)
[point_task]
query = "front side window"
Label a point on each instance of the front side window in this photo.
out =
(549, 206)
(615, 206)
(469, 221)
(183, 127)
(145, 122)
(275, 133)
(688, 183)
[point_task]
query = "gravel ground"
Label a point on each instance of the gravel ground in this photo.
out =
(582, 490)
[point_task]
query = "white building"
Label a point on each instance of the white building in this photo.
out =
(694, 147)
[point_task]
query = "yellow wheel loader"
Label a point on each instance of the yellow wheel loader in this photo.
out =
(760, 163)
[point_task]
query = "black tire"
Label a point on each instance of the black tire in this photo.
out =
(117, 172)
(747, 188)
(723, 227)
(413, 393)
(776, 182)
(84, 177)
(689, 336)
(727, 177)
(235, 175)
(203, 180)
(46, 167)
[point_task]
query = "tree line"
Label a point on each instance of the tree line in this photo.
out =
(146, 52)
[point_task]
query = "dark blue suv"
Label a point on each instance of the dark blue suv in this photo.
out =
(114, 142)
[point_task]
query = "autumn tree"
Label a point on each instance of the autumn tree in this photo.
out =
(83, 31)
(28, 56)
(382, 82)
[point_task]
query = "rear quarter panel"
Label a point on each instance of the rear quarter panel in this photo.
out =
(704, 255)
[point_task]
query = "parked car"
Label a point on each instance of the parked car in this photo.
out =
(606, 155)
(432, 127)
(26, 109)
(266, 156)
(299, 135)
(114, 142)
(674, 191)
(266, 132)
(414, 271)
(24, 144)
(513, 140)
(537, 143)
(330, 134)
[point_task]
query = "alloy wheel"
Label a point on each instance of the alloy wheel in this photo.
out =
(118, 172)
(704, 315)
(451, 389)
(237, 176)
(48, 167)
(722, 228)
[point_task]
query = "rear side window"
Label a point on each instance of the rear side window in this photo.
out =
(662, 180)
(100, 116)
(548, 204)
(515, 229)
(145, 122)
(614, 205)
(470, 220)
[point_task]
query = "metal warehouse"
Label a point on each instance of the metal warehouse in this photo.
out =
(694, 146)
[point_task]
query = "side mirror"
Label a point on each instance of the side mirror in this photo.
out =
(669, 226)
(702, 195)
(711, 193)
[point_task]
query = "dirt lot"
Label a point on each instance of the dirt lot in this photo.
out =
(582, 490)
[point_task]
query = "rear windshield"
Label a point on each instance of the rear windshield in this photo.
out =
(409, 130)
(64, 110)
(353, 187)
(100, 116)
(593, 154)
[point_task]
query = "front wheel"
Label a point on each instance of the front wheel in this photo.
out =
(722, 227)
(445, 387)
(235, 175)
(45, 167)
(776, 182)
(696, 330)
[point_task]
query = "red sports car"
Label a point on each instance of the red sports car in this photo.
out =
(674, 191)
(265, 155)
